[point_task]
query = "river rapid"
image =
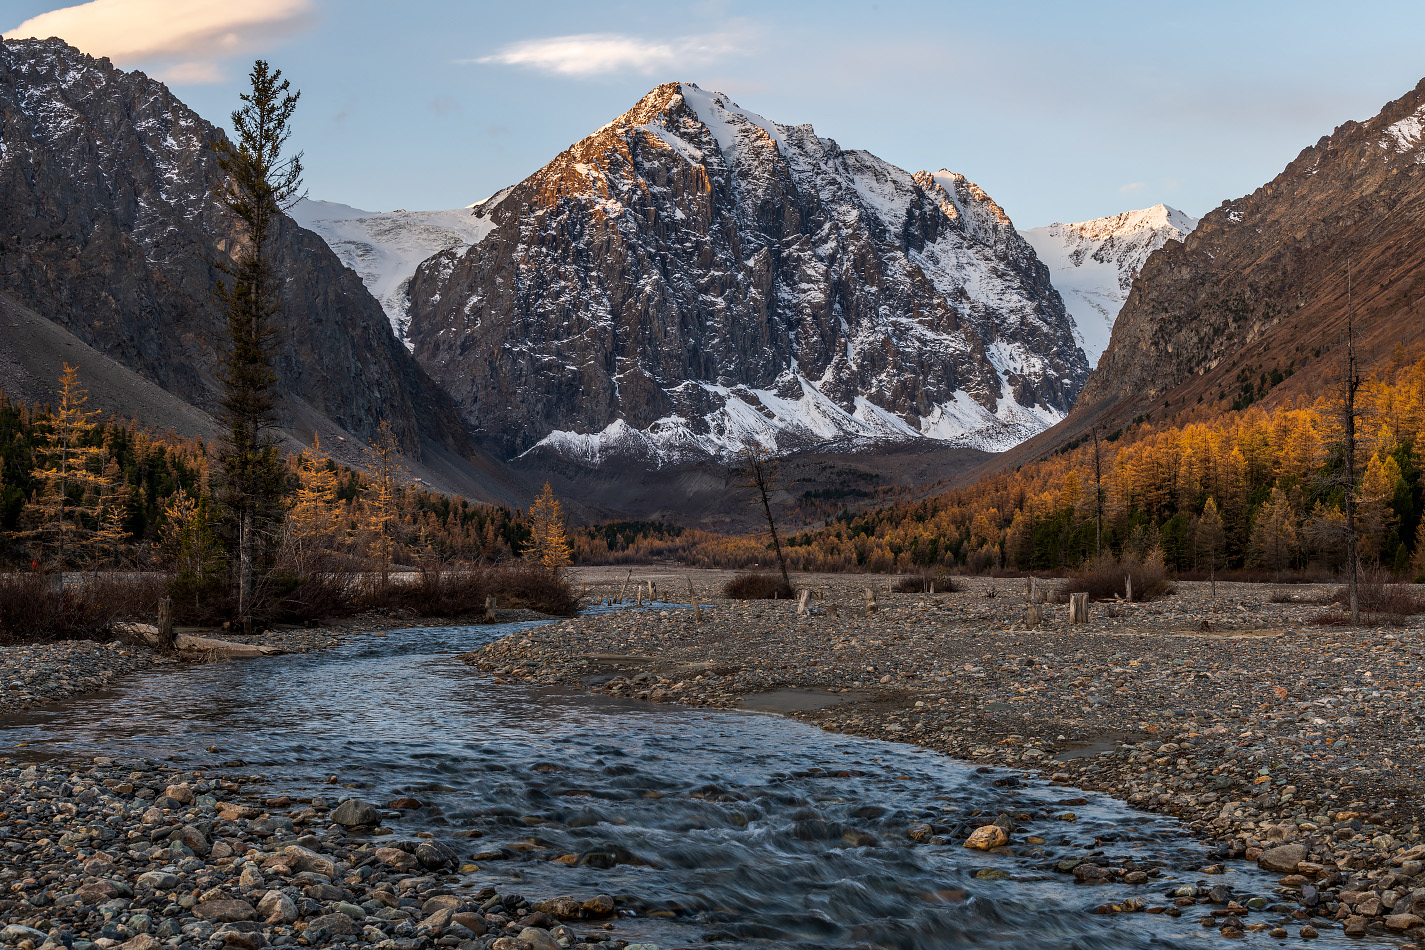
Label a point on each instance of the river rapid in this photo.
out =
(718, 827)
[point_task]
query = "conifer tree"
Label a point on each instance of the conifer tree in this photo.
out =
(383, 502)
(1273, 541)
(71, 480)
(190, 547)
(549, 544)
(1418, 563)
(259, 185)
(315, 518)
(111, 536)
(1210, 540)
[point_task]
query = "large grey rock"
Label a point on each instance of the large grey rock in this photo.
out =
(277, 908)
(355, 813)
(224, 911)
(1283, 859)
(303, 859)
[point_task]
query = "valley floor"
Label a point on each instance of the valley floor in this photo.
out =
(1296, 745)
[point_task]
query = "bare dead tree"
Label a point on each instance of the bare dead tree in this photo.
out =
(758, 468)
(1097, 496)
(1350, 385)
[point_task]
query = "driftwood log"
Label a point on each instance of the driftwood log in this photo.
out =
(187, 645)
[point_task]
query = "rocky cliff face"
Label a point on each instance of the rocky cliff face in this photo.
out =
(107, 228)
(1094, 263)
(1260, 285)
(692, 276)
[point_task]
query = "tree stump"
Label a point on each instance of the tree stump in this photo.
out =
(870, 601)
(803, 603)
(1128, 587)
(165, 625)
(1079, 608)
(692, 596)
(624, 585)
(831, 610)
(489, 610)
(1033, 615)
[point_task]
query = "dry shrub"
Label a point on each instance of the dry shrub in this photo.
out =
(757, 585)
(922, 583)
(1377, 593)
(1282, 597)
(1104, 578)
(34, 609)
(444, 591)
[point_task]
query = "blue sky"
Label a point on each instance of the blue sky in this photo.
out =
(1061, 110)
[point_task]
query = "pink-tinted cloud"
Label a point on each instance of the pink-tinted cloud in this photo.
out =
(184, 42)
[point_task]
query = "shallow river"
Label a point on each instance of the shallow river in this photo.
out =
(721, 823)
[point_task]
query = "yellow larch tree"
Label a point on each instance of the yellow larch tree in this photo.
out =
(382, 504)
(67, 507)
(314, 523)
(549, 544)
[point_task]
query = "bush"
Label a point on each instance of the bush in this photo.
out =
(1376, 593)
(757, 585)
(441, 591)
(33, 609)
(1104, 578)
(923, 582)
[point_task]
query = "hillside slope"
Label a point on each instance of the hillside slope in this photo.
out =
(1253, 303)
(108, 229)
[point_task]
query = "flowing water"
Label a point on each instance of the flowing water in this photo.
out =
(718, 825)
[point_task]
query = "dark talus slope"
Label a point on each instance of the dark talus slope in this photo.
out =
(107, 228)
(1260, 285)
(693, 276)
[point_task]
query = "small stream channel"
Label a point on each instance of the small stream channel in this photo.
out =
(728, 827)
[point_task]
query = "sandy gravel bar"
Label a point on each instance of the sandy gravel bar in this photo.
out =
(32, 675)
(1298, 746)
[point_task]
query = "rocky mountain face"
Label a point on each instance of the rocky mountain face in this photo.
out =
(1094, 263)
(1256, 295)
(107, 229)
(692, 277)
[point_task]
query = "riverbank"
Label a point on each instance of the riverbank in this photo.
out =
(1298, 746)
(36, 674)
(140, 856)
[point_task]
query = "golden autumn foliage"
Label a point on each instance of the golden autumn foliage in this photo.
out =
(1255, 487)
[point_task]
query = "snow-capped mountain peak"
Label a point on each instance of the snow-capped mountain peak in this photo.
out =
(1094, 264)
(692, 276)
(386, 247)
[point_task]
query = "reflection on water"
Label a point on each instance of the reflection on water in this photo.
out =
(722, 824)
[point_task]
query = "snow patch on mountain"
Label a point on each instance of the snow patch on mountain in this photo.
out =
(1405, 134)
(386, 247)
(1094, 264)
(778, 424)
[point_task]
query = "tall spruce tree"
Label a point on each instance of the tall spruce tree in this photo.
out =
(260, 184)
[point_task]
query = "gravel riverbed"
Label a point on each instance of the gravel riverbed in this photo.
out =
(1298, 746)
(141, 856)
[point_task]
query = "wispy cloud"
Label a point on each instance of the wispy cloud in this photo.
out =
(595, 54)
(184, 42)
(1132, 188)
